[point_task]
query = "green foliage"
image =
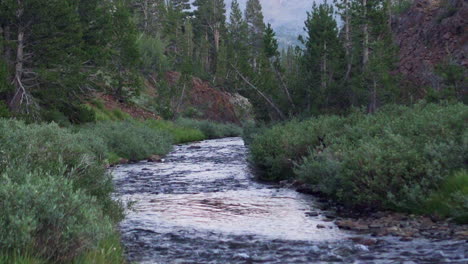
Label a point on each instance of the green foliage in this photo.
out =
(179, 133)
(44, 213)
(47, 174)
(101, 113)
(402, 6)
(4, 111)
(279, 147)
(389, 160)
(453, 83)
(153, 57)
(211, 129)
(131, 140)
(450, 199)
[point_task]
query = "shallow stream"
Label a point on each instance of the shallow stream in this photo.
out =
(202, 205)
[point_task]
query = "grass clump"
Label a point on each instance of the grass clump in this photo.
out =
(389, 160)
(211, 129)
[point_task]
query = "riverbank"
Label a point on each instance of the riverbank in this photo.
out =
(405, 159)
(55, 190)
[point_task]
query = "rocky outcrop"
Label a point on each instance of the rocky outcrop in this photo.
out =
(430, 32)
(211, 103)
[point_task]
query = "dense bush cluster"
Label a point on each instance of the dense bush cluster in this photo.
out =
(391, 159)
(47, 175)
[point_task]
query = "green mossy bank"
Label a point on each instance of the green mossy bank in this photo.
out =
(410, 159)
(55, 190)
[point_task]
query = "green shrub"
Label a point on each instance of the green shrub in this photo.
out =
(49, 148)
(131, 140)
(278, 148)
(389, 160)
(211, 129)
(45, 214)
(450, 199)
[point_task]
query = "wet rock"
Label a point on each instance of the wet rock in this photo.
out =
(321, 226)
(364, 241)
(155, 158)
(194, 147)
(406, 239)
(312, 214)
(145, 169)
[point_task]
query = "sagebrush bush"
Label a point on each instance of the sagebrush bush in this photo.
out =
(44, 214)
(55, 193)
(50, 149)
(131, 140)
(211, 129)
(389, 160)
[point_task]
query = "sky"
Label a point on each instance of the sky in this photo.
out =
(286, 16)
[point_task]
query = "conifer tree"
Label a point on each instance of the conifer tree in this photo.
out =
(209, 24)
(256, 26)
(321, 57)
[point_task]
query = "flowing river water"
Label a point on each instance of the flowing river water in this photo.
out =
(202, 205)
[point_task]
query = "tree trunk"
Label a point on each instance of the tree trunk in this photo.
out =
(21, 94)
(348, 43)
(365, 29)
(324, 68)
(283, 84)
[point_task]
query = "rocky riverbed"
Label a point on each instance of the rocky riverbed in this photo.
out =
(201, 204)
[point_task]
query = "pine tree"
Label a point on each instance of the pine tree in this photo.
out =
(270, 43)
(256, 26)
(237, 46)
(209, 24)
(321, 57)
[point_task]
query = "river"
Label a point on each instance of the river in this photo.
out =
(203, 205)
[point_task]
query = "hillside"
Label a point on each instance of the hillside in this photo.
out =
(431, 33)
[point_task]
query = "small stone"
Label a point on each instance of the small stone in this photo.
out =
(406, 239)
(321, 226)
(145, 169)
